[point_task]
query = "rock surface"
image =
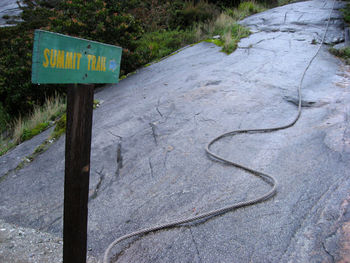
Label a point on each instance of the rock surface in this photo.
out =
(8, 8)
(163, 117)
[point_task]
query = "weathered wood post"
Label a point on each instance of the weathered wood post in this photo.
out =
(77, 170)
(62, 59)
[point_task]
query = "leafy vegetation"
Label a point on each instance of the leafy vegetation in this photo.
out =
(60, 127)
(244, 9)
(346, 13)
(157, 44)
(343, 53)
(39, 120)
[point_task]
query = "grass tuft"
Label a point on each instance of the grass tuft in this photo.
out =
(245, 9)
(39, 120)
(60, 127)
(343, 53)
(227, 28)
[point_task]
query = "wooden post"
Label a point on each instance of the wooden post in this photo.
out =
(85, 62)
(77, 172)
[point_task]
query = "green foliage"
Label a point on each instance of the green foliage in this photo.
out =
(194, 13)
(155, 14)
(233, 36)
(346, 13)
(5, 146)
(235, 3)
(155, 45)
(17, 95)
(96, 104)
(28, 134)
(40, 149)
(39, 120)
(60, 127)
(217, 42)
(343, 53)
(103, 21)
(244, 9)
(250, 7)
(229, 31)
(4, 119)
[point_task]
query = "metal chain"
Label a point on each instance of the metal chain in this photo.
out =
(265, 177)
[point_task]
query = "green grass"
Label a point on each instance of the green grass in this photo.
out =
(227, 28)
(245, 9)
(51, 113)
(343, 53)
(60, 127)
(39, 120)
(158, 44)
(153, 46)
(346, 13)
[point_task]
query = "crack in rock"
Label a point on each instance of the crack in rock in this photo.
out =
(304, 103)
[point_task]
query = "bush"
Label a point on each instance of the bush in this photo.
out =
(103, 21)
(30, 133)
(236, 3)
(60, 127)
(191, 13)
(17, 94)
(244, 9)
(155, 45)
(343, 53)
(156, 14)
(226, 27)
(346, 13)
(250, 8)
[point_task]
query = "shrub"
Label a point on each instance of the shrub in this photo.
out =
(250, 8)
(191, 13)
(17, 94)
(343, 53)
(103, 21)
(60, 127)
(346, 13)
(244, 9)
(230, 32)
(155, 45)
(156, 14)
(30, 133)
(4, 119)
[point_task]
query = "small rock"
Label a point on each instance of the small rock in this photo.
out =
(216, 37)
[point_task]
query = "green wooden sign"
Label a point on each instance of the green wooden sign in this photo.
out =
(59, 58)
